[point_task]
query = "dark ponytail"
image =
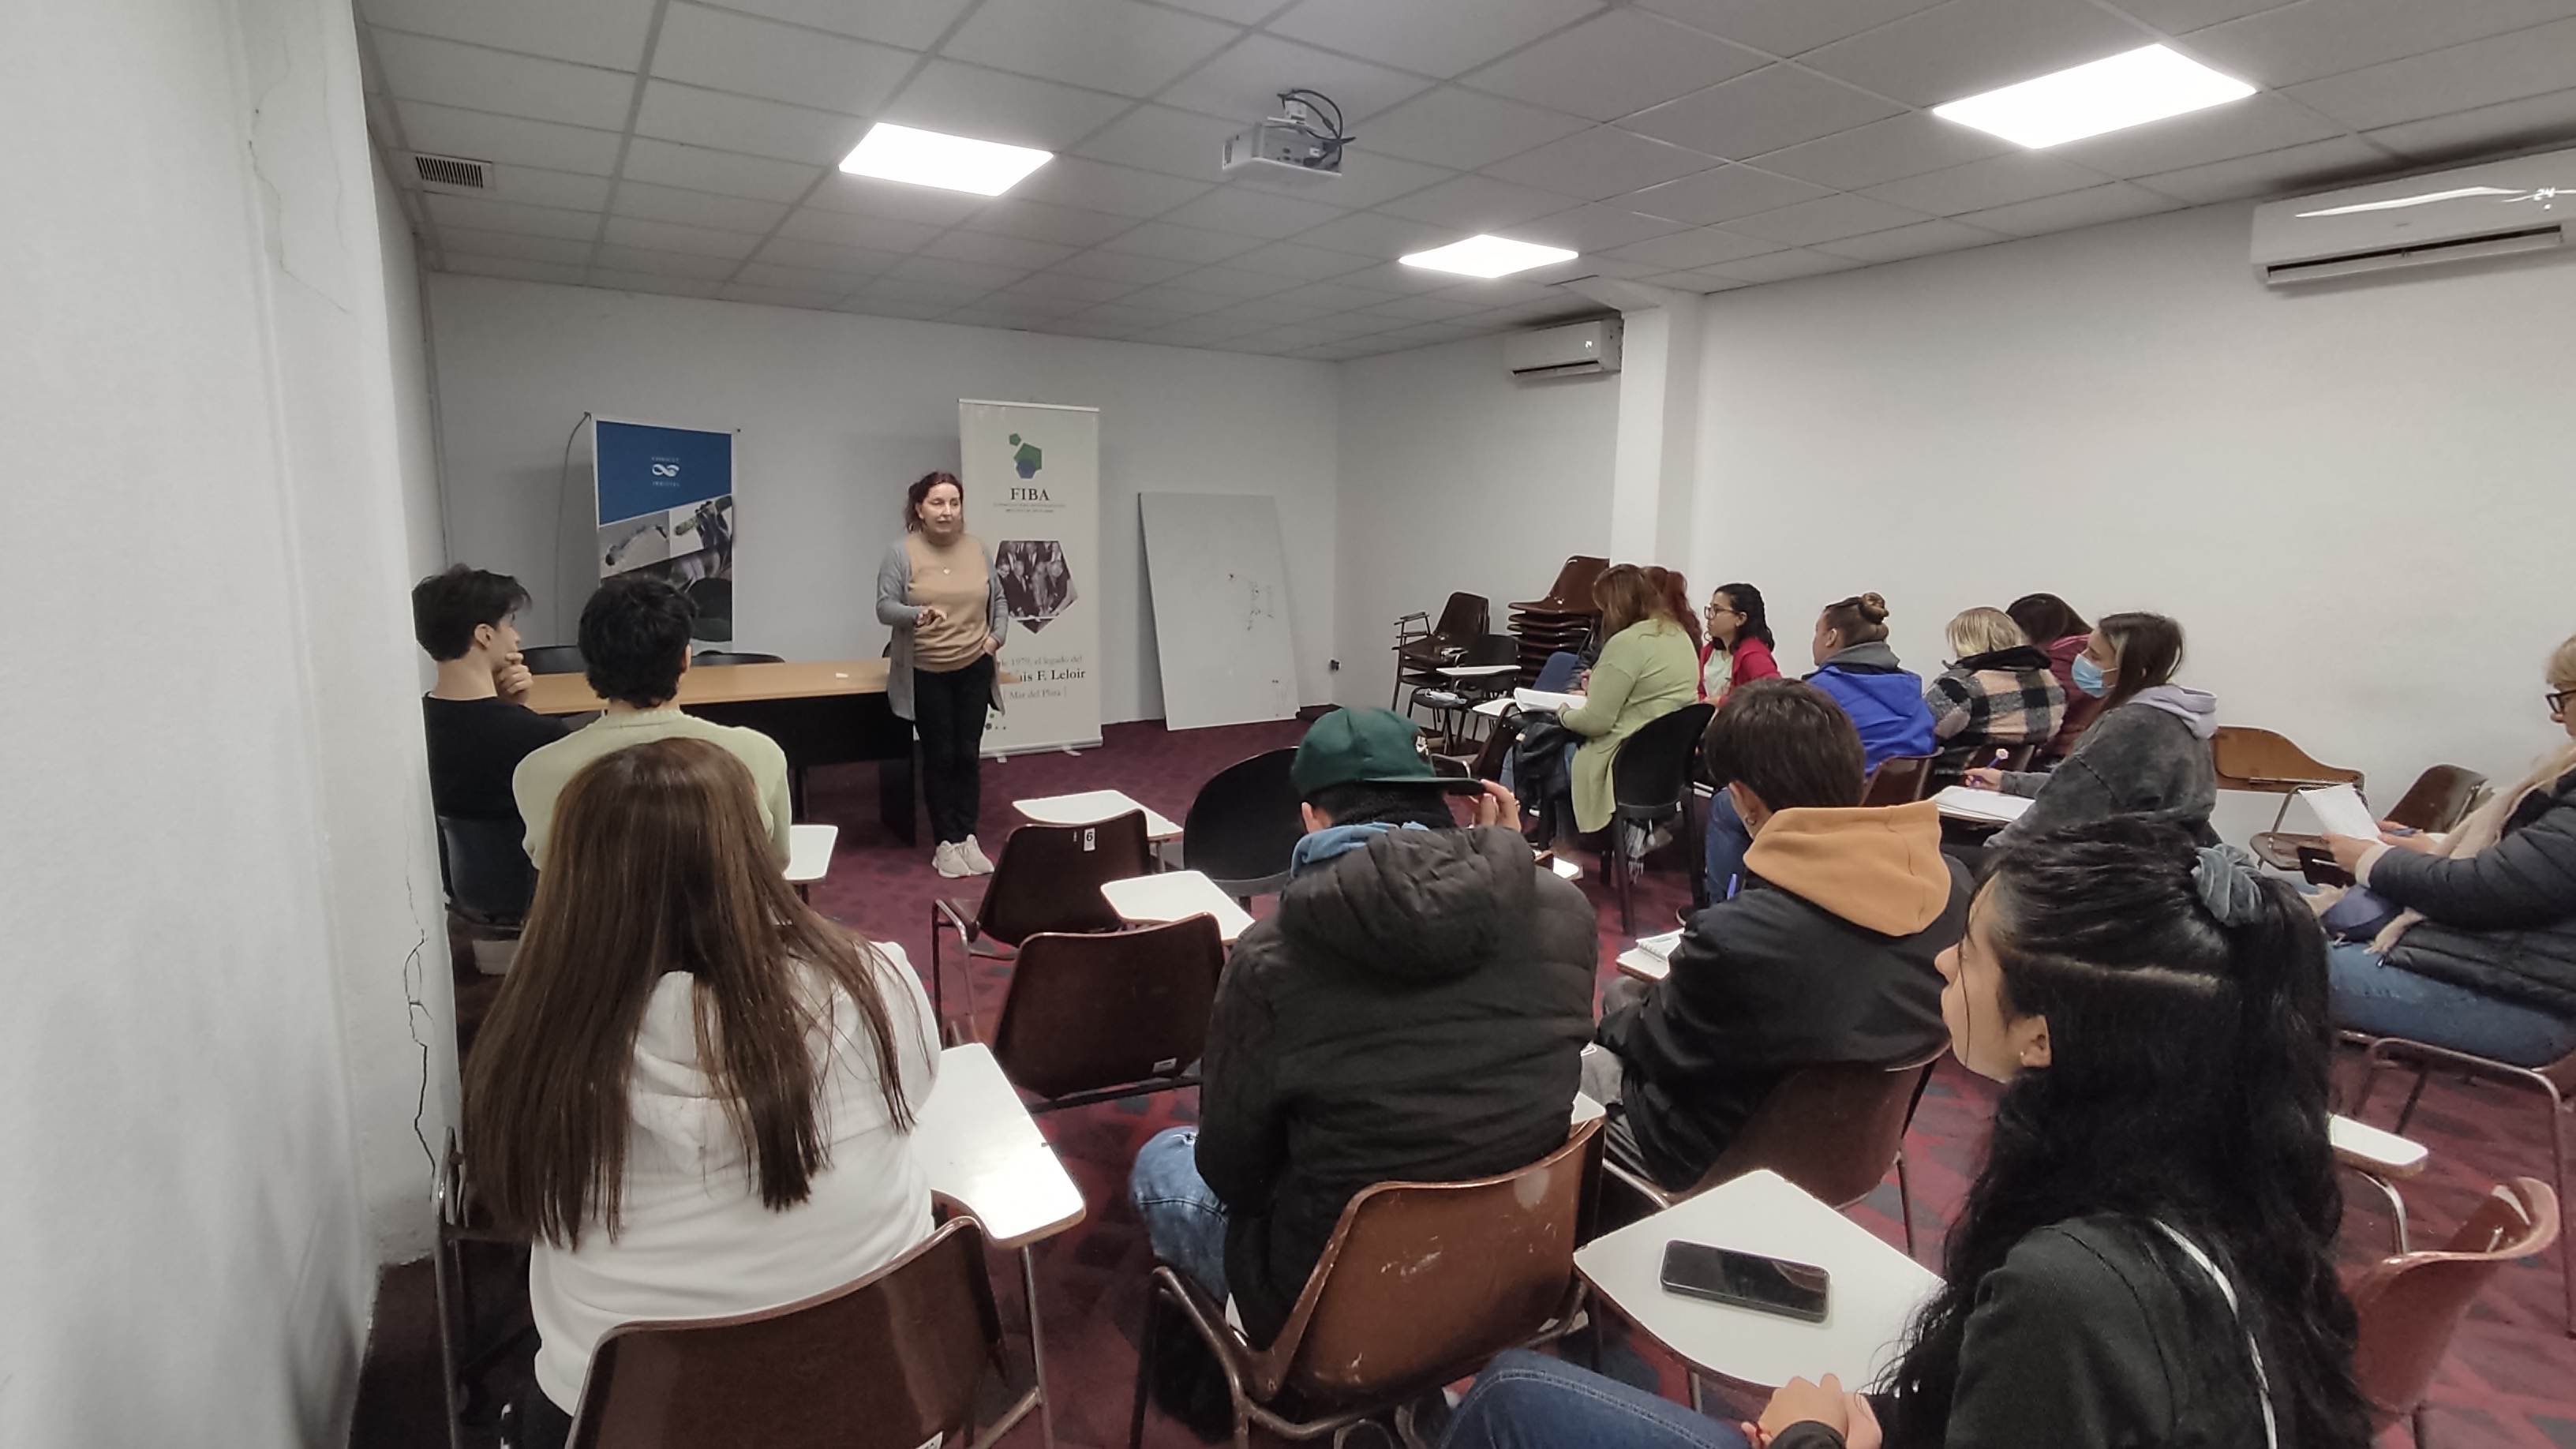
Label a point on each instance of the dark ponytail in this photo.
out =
(2187, 1085)
(1748, 602)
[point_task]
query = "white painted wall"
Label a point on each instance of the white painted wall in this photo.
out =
(1458, 477)
(415, 421)
(2356, 498)
(838, 415)
(212, 864)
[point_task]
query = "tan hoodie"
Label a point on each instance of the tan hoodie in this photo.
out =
(1880, 869)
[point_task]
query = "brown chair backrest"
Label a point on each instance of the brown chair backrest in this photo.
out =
(1463, 620)
(1898, 780)
(2438, 799)
(1833, 1129)
(1049, 876)
(882, 1363)
(2410, 1304)
(1423, 1281)
(1572, 591)
(1084, 1012)
(2266, 763)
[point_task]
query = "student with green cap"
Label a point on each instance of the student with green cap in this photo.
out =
(1415, 1009)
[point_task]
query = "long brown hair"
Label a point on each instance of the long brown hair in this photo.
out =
(1673, 591)
(659, 863)
(2149, 650)
(1625, 596)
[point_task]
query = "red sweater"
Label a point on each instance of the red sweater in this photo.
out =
(1750, 660)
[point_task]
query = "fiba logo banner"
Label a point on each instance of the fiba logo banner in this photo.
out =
(1032, 475)
(665, 508)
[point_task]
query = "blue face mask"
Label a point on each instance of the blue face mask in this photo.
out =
(2088, 676)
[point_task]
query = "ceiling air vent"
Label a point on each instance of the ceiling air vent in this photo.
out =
(453, 172)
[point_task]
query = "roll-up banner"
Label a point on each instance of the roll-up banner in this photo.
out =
(665, 508)
(1032, 475)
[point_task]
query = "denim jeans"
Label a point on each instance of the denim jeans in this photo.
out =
(2371, 995)
(1525, 1400)
(1184, 1220)
(1724, 847)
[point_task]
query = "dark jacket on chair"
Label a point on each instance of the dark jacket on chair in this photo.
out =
(1415, 1011)
(2501, 922)
(1826, 958)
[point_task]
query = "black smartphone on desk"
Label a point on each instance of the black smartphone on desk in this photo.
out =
(1746, 1280)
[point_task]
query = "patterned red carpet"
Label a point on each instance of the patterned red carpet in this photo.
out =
(2510, 1379)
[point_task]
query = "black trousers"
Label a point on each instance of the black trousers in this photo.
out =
(948, 709)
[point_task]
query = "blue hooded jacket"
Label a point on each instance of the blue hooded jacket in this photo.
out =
(1884, 701)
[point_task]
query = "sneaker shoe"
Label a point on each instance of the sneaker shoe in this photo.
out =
(973, 854)
(949, 861)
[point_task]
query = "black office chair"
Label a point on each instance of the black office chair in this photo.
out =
(553, 659)
(1650, 781)
(1243, 825)
(707, 658)
(489, 878)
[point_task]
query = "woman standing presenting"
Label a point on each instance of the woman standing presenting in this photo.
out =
(938, 590)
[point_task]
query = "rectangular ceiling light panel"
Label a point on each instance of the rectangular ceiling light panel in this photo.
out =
(2146, 84)
(1488, 256)
(952, 163)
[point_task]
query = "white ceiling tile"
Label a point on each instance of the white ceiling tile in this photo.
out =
(867, 196)
(1181, 243)
(1000, 319)
(607, 33)
(1435, 37)
(1995, 181)
(1704, 283)
(1422, 309)
(475, 264)
(668, 163)
(1787, 29)
(507, 140)
(535, 186)
(2481, 73)
(724, 122)
(572, 250)
(1302, 260)
(1300, 338)
(1234, 283)
(696, 208)
(1374, 236)
(2116, 202)
(776, 296)
(1367, 179)
(1429, 334)
(1921, 239)
(1827, 218)
(664, 263)
(1181, 299)
(1064, 293)
(985, 276)
(1244, 82)
(1271, 313)
(802, 279)
(797, 252)
(662, 284)
(421, 69)
(1265, 214)
(1158, 138)
(1241, 12)
(1888, 150)
(1107, 45)
(2514, 126)
(1037, 221)
(912, 24)
(722, 51)
(990, 105)
(487, 215)
(2295, 43)
(1473, 204)
(2319, 165)
(1099, 186)
(1594, 228)
(1131, 268)
(1615, 63)
(1601, 163)
(1782, 266)
(1721, 194)
(1459, 128)
(1125, 313)
(925, 290)
(903, 307)
(1000, 251)
(2181, 17)
(2260, 122)
(665, 236)
(875, 233)
(1969, 47)
(1220, 325)
(1706, 247)
(1334, 296)
(1770, 108)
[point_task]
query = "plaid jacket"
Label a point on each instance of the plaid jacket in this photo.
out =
(1990, 701)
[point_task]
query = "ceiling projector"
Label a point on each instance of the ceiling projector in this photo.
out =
(1300, 146)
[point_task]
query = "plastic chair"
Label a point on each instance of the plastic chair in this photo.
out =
(1834, 1129)
(2556, 1082)
(1243, 824)
(2261, 762)
(1650, 781)
(1564, 619)
(490, 880)
(2434, 803)
(1087, 1018)
(712, 658)
(889, 1362)
(553, 659)
(1898, 780)
(1572, 591)
(2410, 1305)
(1418, 655)
(1048, 879)
(464, 1362)
(1421, 1283)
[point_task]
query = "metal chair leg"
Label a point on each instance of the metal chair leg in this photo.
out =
(1905, 1201)
(1037, 1348)
(1146, 1349)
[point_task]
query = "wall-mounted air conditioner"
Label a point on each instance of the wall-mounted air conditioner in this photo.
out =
(1576, 347)
(2491, 210)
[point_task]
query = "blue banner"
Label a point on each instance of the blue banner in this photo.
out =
(643, 469)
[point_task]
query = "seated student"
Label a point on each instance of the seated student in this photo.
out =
(2147, 1255)
(1739, 644)
(2148, 753)
(2050, 623)
(635, 646)
(1414, 1010)
(1648, 668)
(1825, 956)
(2483, 957)
(476, 717)
(1999, 695)
(694, 1095)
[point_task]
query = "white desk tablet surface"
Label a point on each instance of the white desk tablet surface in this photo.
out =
(809, 852)
(1175, 895)
(1874, 1291)
(980, 1148)
(2358, 1144)
(1090, 808)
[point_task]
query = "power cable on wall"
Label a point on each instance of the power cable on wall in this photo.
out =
(563, 497)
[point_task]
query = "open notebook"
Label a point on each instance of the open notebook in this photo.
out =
(1961, 803)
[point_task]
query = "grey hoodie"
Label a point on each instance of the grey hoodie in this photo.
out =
(2148, 757)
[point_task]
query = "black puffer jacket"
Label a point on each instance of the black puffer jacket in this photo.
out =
(1415, 1011)
(2501, 922)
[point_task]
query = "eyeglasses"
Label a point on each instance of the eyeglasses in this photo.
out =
(2558, 699)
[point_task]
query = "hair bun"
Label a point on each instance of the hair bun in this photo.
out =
(1873, 608)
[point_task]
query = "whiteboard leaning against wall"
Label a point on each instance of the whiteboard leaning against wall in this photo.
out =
(1220, 585)
(1032, 476)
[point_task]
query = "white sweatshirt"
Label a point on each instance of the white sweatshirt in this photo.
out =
(694, 1239)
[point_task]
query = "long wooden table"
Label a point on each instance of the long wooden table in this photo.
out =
(832, 712)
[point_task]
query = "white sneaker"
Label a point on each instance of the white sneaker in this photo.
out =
(973, 855)
(949, 861)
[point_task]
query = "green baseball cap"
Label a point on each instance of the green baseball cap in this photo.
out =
(1367, 747)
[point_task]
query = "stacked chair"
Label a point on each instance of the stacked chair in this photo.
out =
(1565, 619)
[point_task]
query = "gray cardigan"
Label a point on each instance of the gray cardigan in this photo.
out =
(894, 586)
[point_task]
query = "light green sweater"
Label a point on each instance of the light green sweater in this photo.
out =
(544, 773)
(1645, 672)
